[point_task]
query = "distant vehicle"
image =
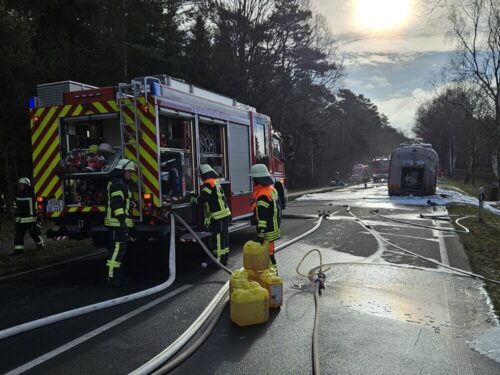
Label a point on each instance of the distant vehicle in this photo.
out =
(358, 172)
(379, 168)
(413, 170)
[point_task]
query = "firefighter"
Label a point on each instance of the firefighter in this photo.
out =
(217, 213)
(25, 214)
(118, 219)
(266, 206)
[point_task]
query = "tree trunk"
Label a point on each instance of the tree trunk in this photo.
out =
(470, 174)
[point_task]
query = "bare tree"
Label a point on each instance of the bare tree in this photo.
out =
(476, 29)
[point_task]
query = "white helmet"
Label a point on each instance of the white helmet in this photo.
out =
(205, 168)
(106, 148)
(125, 165)
(259, 170)
(25, 181)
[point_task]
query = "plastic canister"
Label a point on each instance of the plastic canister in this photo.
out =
(256, 256)
(269, 280)
(238, 280)
(249, 306)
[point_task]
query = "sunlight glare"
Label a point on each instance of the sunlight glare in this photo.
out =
(378, 15)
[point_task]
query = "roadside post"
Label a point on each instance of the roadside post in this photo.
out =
(481, 203)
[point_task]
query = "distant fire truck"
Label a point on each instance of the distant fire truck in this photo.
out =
(358, 172)
(168, 127)
(379, 168)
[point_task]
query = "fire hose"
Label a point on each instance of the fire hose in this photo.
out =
(29, 326)
(162, 358)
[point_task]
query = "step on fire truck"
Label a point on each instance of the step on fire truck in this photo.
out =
(168, 127)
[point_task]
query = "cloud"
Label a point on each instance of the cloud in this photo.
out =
(401, 109)
(374, 59)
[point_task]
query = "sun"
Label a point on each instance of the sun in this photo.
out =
(380, 15)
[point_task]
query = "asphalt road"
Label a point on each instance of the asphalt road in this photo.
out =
(383, 311)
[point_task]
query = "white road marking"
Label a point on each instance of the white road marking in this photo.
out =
(47, 356)
(442, 246)
(405, 236)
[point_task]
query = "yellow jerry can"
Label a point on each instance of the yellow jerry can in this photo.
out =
(256, 256)
(238, 280)
(269, 280)
(249, 306)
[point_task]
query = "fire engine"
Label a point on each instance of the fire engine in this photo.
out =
(379, 167)
(167, 127)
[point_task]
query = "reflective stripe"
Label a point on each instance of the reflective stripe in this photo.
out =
(18, 247)
(221, 214)
(119, 211)
(207, 190)
(24, 220)
(113, 222)
(112, 263)
(262, 223)
(219, 253)
(263, 204)
(117, 193)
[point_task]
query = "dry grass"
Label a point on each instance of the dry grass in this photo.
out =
(482, 246)
(54, 252)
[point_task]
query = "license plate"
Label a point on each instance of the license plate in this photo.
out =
(54, 205)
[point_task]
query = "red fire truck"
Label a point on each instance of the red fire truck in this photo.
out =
(168, 127)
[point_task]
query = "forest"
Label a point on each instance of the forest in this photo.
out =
(275, 55)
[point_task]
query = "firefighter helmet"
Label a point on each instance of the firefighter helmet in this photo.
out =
(205, 168)
(259, 170)
(93, 149)
(25, 181)
(125, 165)
(106, 148)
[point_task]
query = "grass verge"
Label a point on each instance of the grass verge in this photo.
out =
(482, 246)
(55, 251)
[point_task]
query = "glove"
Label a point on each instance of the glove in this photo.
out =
(260, 240)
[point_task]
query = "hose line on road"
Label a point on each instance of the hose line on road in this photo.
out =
(458, 270)
(202, 244)
(163, 358)
(318, 278)
(29, 326)
(465, 230)
(193, 348)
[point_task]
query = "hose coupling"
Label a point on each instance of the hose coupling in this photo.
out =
(320, 281)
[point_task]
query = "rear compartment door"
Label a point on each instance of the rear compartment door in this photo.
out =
(239, 158)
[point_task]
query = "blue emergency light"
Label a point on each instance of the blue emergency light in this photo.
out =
(33, 102)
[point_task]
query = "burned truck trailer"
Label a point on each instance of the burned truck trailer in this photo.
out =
(413, 170)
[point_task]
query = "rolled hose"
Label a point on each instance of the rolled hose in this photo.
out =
(172, 349)
(25, 327)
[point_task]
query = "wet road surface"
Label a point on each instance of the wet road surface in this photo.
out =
(383, 311)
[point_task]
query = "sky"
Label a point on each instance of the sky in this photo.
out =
(392, 51)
